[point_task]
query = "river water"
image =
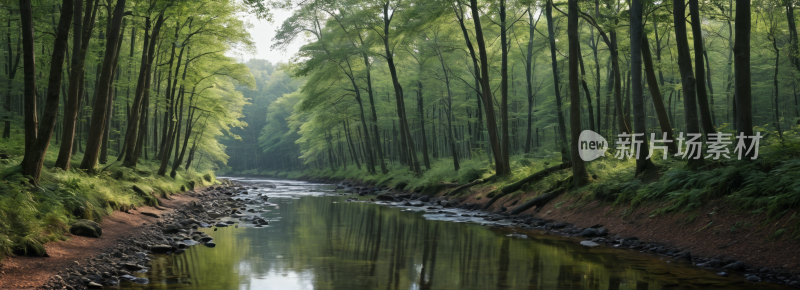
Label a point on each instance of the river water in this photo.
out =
(317, 240)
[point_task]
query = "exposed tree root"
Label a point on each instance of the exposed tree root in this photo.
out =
(544, 198)
(468, 185)
(533, 178)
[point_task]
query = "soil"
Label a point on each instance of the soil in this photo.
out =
(20, 272)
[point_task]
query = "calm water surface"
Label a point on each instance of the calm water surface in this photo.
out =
(319, 241)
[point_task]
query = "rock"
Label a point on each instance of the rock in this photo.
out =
(220, 225)
(736, 266)
(205, 239)
(385, 197)
(210, 244)
(32, 249)
(424, 198)
(589, 233)
(685, 255)
(161, 248)
(753, 278)
(723, 274)
(602, 232)
(86, 228)
(589, 244)
(93, 285)
(132, 267)
(559, 226)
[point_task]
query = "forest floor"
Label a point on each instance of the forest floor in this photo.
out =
(22, 272)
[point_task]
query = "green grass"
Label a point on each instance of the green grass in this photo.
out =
(31, 216)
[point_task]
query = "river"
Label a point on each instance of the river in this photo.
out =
(318, 240)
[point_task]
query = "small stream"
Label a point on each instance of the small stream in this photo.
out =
(318, 240)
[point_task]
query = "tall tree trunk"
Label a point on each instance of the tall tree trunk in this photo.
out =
(421, 112)
(579, 174)
(636, 38)
(655, 93)
(562, 127)
(148, 55)
(34, 156)
(99, 113)
(586, 90)
(505, 149)
(687, 76)
(486, 94)
(700, 72)
(110, 105)
(12, 66)
(28, 77)
(408, 143)
(376, 134)
(528, 78)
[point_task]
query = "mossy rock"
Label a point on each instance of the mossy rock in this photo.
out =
(183, 188)
(207, 177)
(191, 184)
(86, 228)
(31, 248)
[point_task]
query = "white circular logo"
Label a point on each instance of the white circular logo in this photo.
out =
(591, 145)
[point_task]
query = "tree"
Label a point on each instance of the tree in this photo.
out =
(579, 174)
(640, 125)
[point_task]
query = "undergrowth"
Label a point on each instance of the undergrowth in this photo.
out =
(31, 216)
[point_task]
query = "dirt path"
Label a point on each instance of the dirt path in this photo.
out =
(32, 272)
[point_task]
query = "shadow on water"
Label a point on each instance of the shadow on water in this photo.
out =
(323, 242)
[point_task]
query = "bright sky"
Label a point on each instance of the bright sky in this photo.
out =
(262, 34)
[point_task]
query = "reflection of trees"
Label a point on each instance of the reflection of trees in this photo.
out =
(365, 246)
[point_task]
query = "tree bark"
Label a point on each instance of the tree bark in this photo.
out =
(562, 127)
(655, 93)
(408, 143)
(148, 55)
(28, 76)
(636, 38)
(35, 155)
(687, 75)
(700, 72)
(505, 146)
(579, 173)
(99, 113)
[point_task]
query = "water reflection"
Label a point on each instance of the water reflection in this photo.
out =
(326, 243)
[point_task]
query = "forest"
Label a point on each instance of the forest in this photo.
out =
(497, 91)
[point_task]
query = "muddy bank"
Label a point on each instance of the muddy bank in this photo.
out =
(741, 251)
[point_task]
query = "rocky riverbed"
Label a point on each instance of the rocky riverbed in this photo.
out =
(171, 234)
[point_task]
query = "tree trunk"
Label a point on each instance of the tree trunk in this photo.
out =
(148, 55)
(29, 79)
(408, 143)
(35, 155)
(637, 35)
(562, 127)
(655, 93)
(687, 76)
(505, 146)
(528, 77)
(579, 173)
(700, 72)
(99, 113)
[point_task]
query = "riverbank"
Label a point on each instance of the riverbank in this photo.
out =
(714, 236)
(128, 237)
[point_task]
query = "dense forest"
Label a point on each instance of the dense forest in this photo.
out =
(408, 92)
(409, 85)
